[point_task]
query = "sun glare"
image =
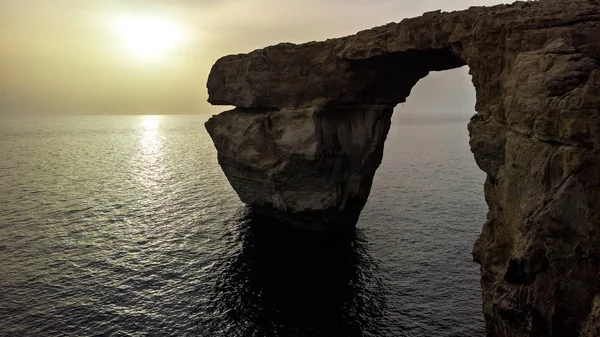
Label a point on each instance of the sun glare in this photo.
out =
(150, 122)
(149, 37)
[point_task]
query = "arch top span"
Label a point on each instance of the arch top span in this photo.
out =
(308, 130)
(296, 76)
(329, 72)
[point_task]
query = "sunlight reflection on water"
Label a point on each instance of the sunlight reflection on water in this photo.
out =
(148, 167)
(126, 225)
(150, 122)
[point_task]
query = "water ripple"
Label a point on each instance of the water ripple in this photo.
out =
(120, 226)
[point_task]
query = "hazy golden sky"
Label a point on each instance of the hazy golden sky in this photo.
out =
(65, 56)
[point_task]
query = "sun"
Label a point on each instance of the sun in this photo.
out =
(148, 37)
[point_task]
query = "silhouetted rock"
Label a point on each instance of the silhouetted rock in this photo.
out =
(307, 135)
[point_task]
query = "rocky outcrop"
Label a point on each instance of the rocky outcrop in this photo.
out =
(307, 135)
(310, 167)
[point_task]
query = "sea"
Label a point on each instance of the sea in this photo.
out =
(126, 226)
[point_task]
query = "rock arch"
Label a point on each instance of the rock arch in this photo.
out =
(307, 135)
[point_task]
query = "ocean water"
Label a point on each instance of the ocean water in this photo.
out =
(126, 226)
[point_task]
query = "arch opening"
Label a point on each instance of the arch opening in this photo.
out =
(427, 198)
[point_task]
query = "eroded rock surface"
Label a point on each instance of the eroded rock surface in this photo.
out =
(307, 135)
(310, 167)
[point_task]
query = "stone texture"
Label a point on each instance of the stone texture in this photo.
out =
(310, 167)
(307, 135)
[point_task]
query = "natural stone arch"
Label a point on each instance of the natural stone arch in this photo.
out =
(310, 122)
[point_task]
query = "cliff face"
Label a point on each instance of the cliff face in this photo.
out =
(307, 135)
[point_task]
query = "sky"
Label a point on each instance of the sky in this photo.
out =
(84, 57)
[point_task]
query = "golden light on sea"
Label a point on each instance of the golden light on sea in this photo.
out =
(150, 122)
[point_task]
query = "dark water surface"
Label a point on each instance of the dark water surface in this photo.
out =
(126, 226)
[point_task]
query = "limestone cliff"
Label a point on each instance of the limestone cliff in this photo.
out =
(310, 167)
(310, 122)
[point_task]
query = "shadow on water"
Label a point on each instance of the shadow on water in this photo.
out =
(290, 283)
